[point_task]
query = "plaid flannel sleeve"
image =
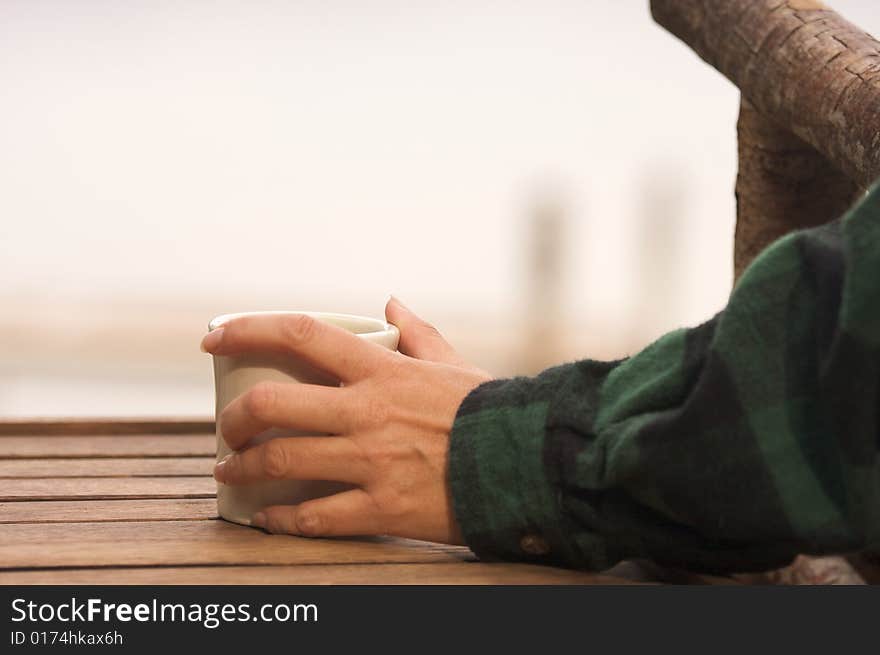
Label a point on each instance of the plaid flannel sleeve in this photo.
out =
(731, 446)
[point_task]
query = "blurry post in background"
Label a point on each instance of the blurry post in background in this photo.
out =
(658, 296)
(544, 317)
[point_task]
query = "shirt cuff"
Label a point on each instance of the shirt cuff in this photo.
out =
(503, 501)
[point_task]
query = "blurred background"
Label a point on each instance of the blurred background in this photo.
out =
(544, 180)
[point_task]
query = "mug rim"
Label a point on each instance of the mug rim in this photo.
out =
(383, 327)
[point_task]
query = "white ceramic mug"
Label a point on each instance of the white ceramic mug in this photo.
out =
(235, 375)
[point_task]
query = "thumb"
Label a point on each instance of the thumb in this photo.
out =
(418, 338)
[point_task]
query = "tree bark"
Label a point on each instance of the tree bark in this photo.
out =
(799, 64)
(783, 184)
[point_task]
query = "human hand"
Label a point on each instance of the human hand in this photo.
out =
(389, 425)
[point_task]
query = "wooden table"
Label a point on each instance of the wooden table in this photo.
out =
(132, 502)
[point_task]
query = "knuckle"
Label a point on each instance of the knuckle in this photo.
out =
(278, 521)
(298, 328)
(381, 458)
(275, 459)
(395, 504)
(310, 523)
(384, 457)
(260, 400)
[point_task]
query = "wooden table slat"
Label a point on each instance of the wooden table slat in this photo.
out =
(102, 488)
(71, 511)
(130, 501)
(105, 467)
(163, 543)
(458, 573)
(157, 445)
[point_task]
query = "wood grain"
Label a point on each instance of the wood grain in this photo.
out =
(105, 467)
(95, 503)
(152, 543)
(157, 445)
(86, 426)
(455, 573)
(77, 511)
(104, 488)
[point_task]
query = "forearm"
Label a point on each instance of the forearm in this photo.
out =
(734, 445)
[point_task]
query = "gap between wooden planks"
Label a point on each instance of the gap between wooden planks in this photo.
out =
(75, 489)
(168, 541)
(102, 425)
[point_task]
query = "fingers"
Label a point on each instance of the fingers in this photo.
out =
(418, 338)
(306, 407)
(324, 346)
(348, 513)
(299, 458)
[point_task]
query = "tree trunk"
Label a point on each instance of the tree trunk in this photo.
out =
(783, 184)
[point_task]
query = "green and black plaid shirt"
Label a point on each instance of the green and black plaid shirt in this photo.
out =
(731, 446)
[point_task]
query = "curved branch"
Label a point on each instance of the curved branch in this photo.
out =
(799, 63)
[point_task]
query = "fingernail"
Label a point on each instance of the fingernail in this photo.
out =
(259, 520)
(396, 300)
(212, 340)
(219, 473)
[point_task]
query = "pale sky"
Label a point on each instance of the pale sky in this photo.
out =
(284, 154)
(348, 147)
